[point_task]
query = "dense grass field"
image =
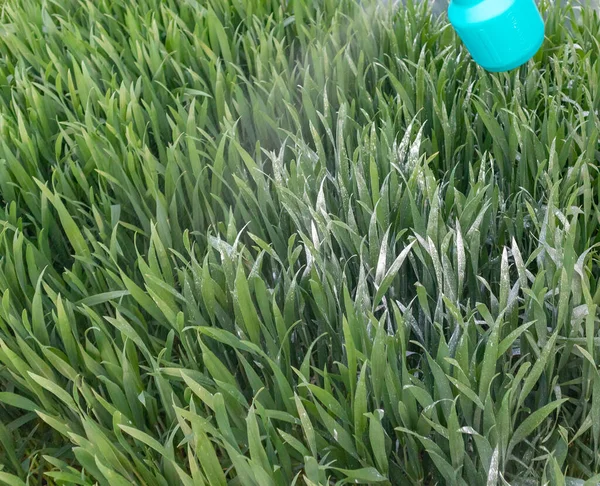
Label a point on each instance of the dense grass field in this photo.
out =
(278, 242)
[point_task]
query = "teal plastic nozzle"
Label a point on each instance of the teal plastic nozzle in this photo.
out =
(500, 35)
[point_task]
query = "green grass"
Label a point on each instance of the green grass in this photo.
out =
(264, 242)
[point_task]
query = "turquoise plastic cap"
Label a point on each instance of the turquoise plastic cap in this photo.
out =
(501, 35)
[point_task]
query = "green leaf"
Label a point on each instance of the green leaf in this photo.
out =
(54, 389)
(18, 401)
(10, 479)
(360, 405)
(69, 225)
(537, 369)
(488, 366)
(367, 475)
(456, 442)
(145, 439)
(377, 440)
(391, 274)
(307, 427)
(103, 297)
(492, 476)
(532, 422)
